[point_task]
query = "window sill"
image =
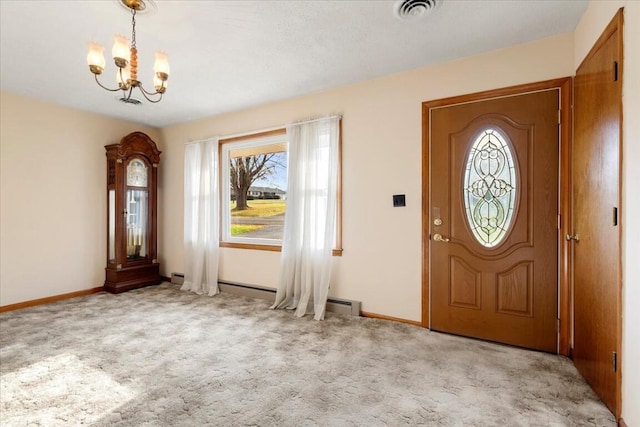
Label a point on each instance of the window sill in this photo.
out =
(272, 248)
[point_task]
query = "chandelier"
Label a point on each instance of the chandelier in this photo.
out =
(125, 56)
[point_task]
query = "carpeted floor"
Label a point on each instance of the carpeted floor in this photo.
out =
(161, 357)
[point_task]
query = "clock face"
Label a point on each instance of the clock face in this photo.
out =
(137, 173)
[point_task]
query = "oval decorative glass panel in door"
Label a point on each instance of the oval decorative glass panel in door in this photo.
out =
(489, 187)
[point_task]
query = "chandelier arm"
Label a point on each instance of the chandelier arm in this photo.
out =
(146, 91)
(103, 86)
(130, 93)
(146, 95)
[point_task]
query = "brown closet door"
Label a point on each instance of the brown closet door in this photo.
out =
(596, 204)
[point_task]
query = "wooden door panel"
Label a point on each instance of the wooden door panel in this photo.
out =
(506, 292)
(465, 285)
(596, 196)
(515, 290)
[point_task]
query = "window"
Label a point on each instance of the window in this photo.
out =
(253, 189)
(489, 188)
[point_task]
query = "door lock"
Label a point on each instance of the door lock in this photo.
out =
(437, 222)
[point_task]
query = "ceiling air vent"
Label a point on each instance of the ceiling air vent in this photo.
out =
(413, 9)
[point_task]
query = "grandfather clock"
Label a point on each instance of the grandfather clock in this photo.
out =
(132, 171)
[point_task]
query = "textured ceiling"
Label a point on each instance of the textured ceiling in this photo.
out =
(230, 55)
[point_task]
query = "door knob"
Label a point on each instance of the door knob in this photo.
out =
(440, 238)
(575, 237)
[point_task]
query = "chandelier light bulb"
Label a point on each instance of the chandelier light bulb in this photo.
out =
(121, 50)
(161, 65)
(123, 77)
(95, 58)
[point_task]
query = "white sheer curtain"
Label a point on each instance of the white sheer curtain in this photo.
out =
(201, 217)
(309, 224)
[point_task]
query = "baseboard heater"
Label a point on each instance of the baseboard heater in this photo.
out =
(334, 305)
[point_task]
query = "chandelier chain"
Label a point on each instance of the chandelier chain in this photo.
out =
(133, 28)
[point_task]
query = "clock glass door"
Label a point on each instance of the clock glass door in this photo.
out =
(137, 211)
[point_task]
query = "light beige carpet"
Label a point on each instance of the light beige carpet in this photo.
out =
(162, 357)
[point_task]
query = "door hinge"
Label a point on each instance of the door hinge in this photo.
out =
(615, 71)
(615, 361)
(559, 117)
(558, 325)
(615, 216)
(559, 222)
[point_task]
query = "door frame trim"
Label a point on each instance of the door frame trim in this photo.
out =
(564, 85)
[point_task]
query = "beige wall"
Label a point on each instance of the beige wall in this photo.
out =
(52, 197)
(381, 264)
(589, 29)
